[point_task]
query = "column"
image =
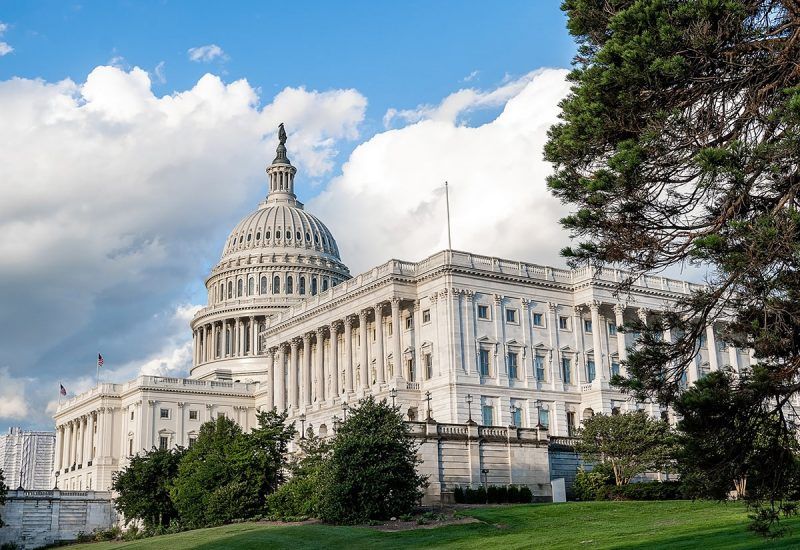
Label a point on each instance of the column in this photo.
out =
(397, 331)
(206, 347)
(416, 322)
(334, 360)
(319, 375)
(527, 350)
(242, 331)
(469, 323)
(733, 354)
(280, 381)
(179, 435)
(307, 399)
(597, 345)
(619, 319)
(271, 378)
(105, 432)
(555, 354)
(68, 445)
(380, 360)
(348, 353)
(294, 385)
(79, 441)
(581, 363)
(89, 452)
(214, 343)
(195, 345)
(59, 444)
(253, 336)
(362, 332)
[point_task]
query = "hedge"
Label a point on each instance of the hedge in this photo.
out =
(494, 494)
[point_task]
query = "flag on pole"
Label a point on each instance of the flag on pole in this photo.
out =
(99, 360)
(63, 390)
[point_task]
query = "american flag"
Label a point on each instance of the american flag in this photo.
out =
(99, 360)
(63, 390)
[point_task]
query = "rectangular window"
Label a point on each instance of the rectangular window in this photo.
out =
(409, 322)
(488, 415)
(131, 415)
(164, 413)
(614, 368)
(570, 423)
(563, 323)
(612, 329)
(483, 312)
(544, 418)
(192, 441)
(511, 316)
(192, 415)
(484, 362)
(130, 447)
(566, 370)
(538, 365)
(512, 365)
(587, 325)
(426, 316)
(538, 320)
(428, 366)
(373, 333)
(410, 370)
(163, 442)
(590, 372)
(391, 328)
(516, 416)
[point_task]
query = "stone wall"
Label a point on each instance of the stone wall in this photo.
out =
(564, 462)
(38, 518)
(468, 455)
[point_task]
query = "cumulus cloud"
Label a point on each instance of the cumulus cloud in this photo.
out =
(5, 47)
(204, 54)
(13, 405)
(392, 184)
(115, 200)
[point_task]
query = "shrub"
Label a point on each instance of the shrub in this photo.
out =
(491, 494)
(590, 485)
(298, 497)
(458, 495)
(513, 493)
(480, 495)
(651, 490)
(525, 494)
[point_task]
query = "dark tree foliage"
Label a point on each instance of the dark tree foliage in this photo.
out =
(3, 491)
(228, 474)
(679, 143)
(371, 473)
(143, 486)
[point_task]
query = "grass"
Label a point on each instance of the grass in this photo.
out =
(670, 525)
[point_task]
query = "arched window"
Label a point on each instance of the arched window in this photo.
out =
(258, 235)
(276, 285)
(239, 285)
(313, 286)
(227, 341)
(267, 235)
(230, 289)
(299, 236)
(263, 285)
(302, 285)
(221, 291)
(277, 233)
(289, 284)
(249, 236)
(308, 236)
(288, 234)
(251, 287)
(324, 284)
(219, 343)
(241, 238)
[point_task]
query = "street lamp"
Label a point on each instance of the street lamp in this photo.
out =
(335, 423)
(302, 425)
(485, 475)
(538, 405)
(58, 472)
(514, 410)
(344, 411)
(469, 406)
(393, 395)
(428, 399)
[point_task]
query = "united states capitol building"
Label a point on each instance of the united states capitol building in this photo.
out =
(489, 359)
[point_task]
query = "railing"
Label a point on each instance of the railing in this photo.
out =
(453, 429)
(563, 441)
(412, 385)
(586, 387)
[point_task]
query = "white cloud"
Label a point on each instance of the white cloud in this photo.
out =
(13, 405)
(462, 102)
(471, 76)
(392, 185)
(206, 53)
(160, 73)
(115, 199)
(5, 47)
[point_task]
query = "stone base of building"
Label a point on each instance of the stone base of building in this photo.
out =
(38, 518)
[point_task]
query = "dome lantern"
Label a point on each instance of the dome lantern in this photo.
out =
(281, 174)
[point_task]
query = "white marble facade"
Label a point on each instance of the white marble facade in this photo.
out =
(457, 334)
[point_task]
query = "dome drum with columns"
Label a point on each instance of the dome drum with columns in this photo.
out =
(273, 259)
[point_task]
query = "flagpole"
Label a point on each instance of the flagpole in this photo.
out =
(447, 201)
(98, 369)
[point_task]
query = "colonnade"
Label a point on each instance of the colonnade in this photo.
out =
(309, 369)
(76, 444)
(234, 337)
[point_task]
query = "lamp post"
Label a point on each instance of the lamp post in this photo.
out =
(335, 423)
(58, 472)
(485, 476)
(393, 395)
(469, 406)
(514, 410)
(538, 405)
(344, 411)
(302, 418)
(428, 399)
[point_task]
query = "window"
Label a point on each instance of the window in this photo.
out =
(163, 443)
(390, 328)
(192, 441)
(230, 289)
(409, 322)
(410, 370)
(544, 418)
(298, 236)
(483, 312)
(164, 413)
(538, 320)
(324, 284)
(428, 366)
(313, 286)
(131, 415)
(512, 365)
(251, 286)
(614, 368)
(563, 323)
(276, 284)
(566, 370)
(258, 235)
(516, 415)
(571, 423)
(538, 365)
(302, 284)
(484, 362)
(590, 372)
(587, 325)
(487, 412)
(612, 329)
(239, 287)
(130, 447)
(268, 234)
(511, 316)
(192, 415)
(263, 285)
(289, 284)
(249, 236)
(426, 316)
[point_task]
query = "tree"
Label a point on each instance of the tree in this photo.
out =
(143, 486)
(630, 443)
(3, 491)
(371, 473)
(679, 143)
(300, 495)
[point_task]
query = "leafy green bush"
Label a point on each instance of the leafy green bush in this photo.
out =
(458, 495)
(650, 490)
(591, 485)
(494, 494)
(525, 494)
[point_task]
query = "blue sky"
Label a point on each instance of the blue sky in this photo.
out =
(135, 135)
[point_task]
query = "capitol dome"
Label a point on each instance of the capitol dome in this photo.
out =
(273, 259)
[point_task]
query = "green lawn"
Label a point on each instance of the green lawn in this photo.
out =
(659, 525)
